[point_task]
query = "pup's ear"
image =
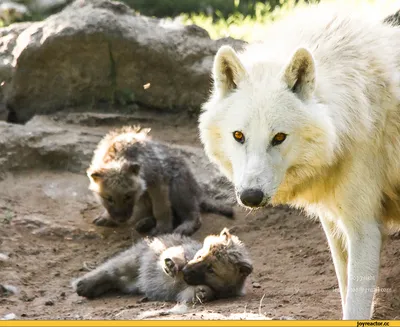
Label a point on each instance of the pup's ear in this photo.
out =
(145, 131)
(142, 134)
(228, 70)
(130, 167)
(299, 74)
(225, 235)
(95, 175)
(115, 148)
(245, 268)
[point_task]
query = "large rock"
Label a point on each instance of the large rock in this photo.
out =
(100, 51)
(41, 144)
(8, 38)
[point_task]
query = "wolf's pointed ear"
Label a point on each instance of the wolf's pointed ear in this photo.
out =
(130, 167)
(143, 133)
(245, 268)
(145, 130)
(299, 75)
(225, 235)
(95, 175)
(115, 148)
(228, 71)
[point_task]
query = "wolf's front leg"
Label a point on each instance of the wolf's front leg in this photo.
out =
(116, 274)
(339, 254)
(94, 284)
(162, 210)
(143, 214)
(364, 247)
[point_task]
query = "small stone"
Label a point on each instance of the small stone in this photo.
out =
(49, 302)
(9, 316)
(4, 257)
(286, 318)
(6, 290)
(256, 285)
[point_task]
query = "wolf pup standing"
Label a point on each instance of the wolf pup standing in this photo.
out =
(159, 269)
(132, 175)
(311, 118)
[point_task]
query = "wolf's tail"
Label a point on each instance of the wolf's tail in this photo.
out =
(211, 206)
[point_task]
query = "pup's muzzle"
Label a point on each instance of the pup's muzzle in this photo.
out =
(192, 276)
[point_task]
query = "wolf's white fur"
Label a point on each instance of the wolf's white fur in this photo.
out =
(331, 82)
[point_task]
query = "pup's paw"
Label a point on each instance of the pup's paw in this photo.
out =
(85, 287)
(144, 225)
(104, 221)
(203, 294)
(156, 231)
(170, 268)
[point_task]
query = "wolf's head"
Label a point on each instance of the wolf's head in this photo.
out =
(262, 124)
(222, 264)
(117, 187)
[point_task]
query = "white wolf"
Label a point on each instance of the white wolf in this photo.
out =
(311, 118)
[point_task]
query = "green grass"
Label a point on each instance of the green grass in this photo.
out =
(238, 25)
(250, 28)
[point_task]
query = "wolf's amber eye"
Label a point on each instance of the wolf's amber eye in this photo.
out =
(238, 136)
(278, 139)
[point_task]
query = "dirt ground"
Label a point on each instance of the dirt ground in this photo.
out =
(47, 234)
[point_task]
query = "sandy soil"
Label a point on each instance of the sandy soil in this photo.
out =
(47, 234)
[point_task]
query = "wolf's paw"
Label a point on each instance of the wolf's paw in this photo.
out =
(144, 225)
(170, 268)
(85, 287)
(203, 294)
(160, 230)
(104, 221)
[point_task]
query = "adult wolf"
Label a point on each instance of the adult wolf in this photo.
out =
(311, 118)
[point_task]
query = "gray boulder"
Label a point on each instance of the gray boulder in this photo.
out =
(97, 51)
(8, 38)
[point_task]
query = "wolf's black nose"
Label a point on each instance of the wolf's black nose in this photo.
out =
(251, 197)
(192, 277)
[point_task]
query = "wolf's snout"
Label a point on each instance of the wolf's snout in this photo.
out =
(188, 274)
(252, 197)
(191, 276)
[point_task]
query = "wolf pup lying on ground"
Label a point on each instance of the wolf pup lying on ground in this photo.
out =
(159, 269)
(130, 173)
(311, 118)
